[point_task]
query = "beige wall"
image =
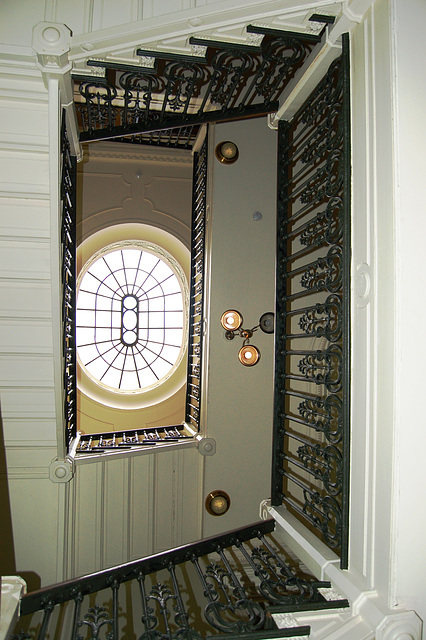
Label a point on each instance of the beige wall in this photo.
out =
(239, 403)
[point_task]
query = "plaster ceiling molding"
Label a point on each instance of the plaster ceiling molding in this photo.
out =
(117, 151)
(105, 191)
(168, 194)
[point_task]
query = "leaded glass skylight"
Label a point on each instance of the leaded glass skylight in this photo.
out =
(130, 318)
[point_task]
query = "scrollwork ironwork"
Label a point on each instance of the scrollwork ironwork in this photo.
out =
(139, 94)
(324, 463)
(325, 415)
(95, 619)
(164, 614)
(242, 80)
(326, 181)
(325, 513)
(68, 190)
(229, 609)
(235, 600)
(311, 474)
(196, 302)
(325, 227)
(99, 108)
(183, 83)
(324, 367)
(278, 582)
(324, 319)
(325, 273)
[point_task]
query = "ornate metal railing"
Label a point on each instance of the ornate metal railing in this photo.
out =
(220, 81)
(129, 439)
(68, 203)
(311, 430)
(179, 138)
(196, 296)
(222, 586)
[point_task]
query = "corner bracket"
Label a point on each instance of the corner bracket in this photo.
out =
(404, 625)
(61, 470)
(207, 446)
(51, 42)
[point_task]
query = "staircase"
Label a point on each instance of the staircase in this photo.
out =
(227, 586)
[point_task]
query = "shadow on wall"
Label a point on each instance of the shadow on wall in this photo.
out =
(7, 549)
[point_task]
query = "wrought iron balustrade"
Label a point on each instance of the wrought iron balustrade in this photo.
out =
(221, 81)
(68, 246)
(311, 430)
(130, 439)
(196, 295)
(178, 138)
(218, 587)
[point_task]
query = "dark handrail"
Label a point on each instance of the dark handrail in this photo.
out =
(58, 593)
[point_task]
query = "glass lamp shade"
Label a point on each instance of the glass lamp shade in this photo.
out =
(249, 355)
(217, 503)
(231, 320)
(227, 152)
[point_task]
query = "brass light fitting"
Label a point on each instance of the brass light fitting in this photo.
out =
(231, 320)
(217, 503)
(227, 152)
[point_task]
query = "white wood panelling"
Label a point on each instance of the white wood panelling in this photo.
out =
(26, 366)
(117, 491)
(124, 509)
(14, 262)
(14, 330)
(24, 173)
(24, 218)
(25, 298)
(141, 530)
(34, 430)
(19, 403)
(25, 371)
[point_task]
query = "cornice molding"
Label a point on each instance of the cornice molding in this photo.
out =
(135, 153)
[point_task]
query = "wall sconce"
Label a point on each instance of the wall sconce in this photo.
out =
(217, 503)
(227, 152)
(232, 321)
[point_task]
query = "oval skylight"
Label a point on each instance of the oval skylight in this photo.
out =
(129, 319)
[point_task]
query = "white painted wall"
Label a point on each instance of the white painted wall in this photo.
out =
(410, 228)
(373, 277)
